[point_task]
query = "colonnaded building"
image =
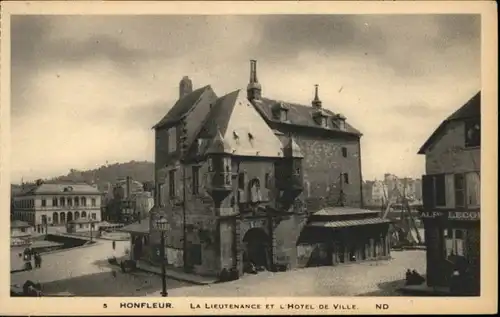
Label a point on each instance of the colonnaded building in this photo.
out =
(56, 204)
(244, 178)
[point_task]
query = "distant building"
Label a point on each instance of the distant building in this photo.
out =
(239, 176)
(451, 198)
(121, 201)
(82, 225)
(55, 204)
(374, 193)
(20, 229)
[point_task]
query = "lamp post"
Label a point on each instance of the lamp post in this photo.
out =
(162, 226)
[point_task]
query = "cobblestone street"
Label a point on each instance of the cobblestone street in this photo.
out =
(86, 272)
(380, 278)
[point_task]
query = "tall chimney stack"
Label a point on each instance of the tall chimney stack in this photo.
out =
(254, 89)
(185, 87)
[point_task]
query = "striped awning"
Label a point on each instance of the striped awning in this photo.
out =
(349, 223)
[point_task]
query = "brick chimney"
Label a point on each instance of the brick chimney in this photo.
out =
(254, 89)
(185, 87)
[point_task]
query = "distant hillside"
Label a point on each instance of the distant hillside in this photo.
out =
(139, 171)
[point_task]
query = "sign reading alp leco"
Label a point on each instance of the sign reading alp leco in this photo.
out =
(464, 215)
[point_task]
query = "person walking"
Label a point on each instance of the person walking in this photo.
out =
(39, 260)
(114, 245)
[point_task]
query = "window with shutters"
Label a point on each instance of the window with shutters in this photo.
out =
(440, 190)
(196, 179)
(172, 140)
(428, 191)
(459, 183)
(171, 183)
(473, 182)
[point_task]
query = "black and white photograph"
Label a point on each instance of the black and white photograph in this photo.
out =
(245, 155)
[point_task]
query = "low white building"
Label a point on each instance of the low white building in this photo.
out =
(54, 204)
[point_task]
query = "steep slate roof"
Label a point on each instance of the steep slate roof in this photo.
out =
(59, 188)
(471, 109)
(241, 126)
(182, 107)
(298, 115)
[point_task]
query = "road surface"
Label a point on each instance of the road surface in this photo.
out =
(86, 272)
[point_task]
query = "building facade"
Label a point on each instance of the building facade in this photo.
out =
(451, 197)
(122, 199)
(239, 176)
(56, 204)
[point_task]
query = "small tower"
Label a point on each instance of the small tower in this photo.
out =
(316, 103)
(185, 87)
(290, 176)
(254, 89)
(219, 167)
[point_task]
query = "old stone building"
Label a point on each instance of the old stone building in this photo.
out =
(451, 197)
(239, 176)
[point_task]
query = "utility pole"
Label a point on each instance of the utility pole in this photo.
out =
(184, 148)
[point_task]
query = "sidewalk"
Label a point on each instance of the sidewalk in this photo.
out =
(424, 290)
(177, 274)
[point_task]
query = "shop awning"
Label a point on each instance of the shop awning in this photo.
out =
(137, 227)
(348, 223)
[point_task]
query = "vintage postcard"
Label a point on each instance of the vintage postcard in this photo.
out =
(195, 158)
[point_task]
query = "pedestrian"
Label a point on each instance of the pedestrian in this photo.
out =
(39, 260)
(114, 245)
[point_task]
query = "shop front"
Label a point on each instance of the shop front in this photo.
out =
(453, 248)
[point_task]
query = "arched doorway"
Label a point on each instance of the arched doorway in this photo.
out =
(62, 217)
(84, 214)
(55, 218)
(77, 215)
(70, 216)
(257, 248)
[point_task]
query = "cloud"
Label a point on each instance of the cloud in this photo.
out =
(87, 89)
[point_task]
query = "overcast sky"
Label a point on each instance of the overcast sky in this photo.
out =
(88, 89)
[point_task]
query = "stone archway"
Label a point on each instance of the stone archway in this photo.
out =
(55, 218)
(84, 214)
(62, 217)
(70, 216)
(257, 248)
(77, 215)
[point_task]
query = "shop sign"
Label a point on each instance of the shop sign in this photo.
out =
(464, 215)
(431, 214)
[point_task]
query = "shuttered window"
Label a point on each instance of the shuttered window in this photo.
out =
(427, 191)
(440, 190)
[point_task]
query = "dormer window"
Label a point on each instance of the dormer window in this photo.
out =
(321, 118)
(472, 133)
(280, 111)
(339, 120)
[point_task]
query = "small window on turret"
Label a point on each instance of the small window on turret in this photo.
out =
(344, 151)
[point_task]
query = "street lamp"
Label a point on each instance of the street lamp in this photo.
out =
(162, 226)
